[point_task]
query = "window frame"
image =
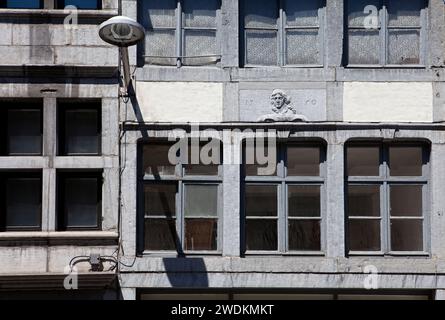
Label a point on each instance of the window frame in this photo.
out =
(19, 175)
(61, 214)
(383, 29)
(282, 182)
(72, 105)
(3, 5)
(385, 181)
(281, 28)
(60, 4)
(20, 105)
(179, 35)
(180, 180)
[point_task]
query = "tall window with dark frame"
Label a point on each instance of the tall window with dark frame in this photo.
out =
(21, 4)
(387, 197)
(284, 211)
(79, 128)
(20, 201)
(180, 202)
(79, 198)
(80, 4)
(180, 32)
(21, 128)
(283, 32)
(386, 32)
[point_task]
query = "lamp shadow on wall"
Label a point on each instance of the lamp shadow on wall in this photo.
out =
(185, 272)
(182, 271)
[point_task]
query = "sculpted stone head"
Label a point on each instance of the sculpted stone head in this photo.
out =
(279, 98)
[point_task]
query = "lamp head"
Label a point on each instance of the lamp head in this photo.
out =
(121, 31)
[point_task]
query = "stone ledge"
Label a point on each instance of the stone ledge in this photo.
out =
(54, 13)
(54, 235)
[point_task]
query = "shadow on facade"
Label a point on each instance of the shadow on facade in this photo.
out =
(186, 272)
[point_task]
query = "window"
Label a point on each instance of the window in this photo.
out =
(386, 33)
(181, 32)
(20, 201)
(80, 4)
(386, 197)
(181, 201)
(21, 4)
(21, 130)
(284, 210)
(283, 33)
(79, 200)
(79, 128)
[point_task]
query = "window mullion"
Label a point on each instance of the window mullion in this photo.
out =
(281, 35)
(384, 32)
(282, 216)
(179, 217)
(179, 34)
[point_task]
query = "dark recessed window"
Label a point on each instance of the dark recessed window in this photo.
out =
(80, 4)
(79, 200)
(20, 201)
(386, 184)
(283, 205)
(79, 128)
(21, 131)
(21, 4)
(180, 199)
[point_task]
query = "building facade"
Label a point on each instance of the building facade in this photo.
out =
(346, 202)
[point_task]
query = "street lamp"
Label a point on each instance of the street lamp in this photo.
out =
(122, 32)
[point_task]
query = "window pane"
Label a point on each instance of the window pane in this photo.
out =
(261, 200)
(23, 4)
(364, 47)
(260, 13)
(23, 202)
(160, 44)
(304, 201)
(261, 47)
(406, 200)
(404, 47)
(24, 132)
(303, 161)
(81, 202)
(83, 4)
(158, 13)
(212, 152)
(82, 133)
(160, 200)
(156, 160)
(302, 13)
(201, 200)
(200, 13)
(406, 235)
(405, 13)
(363, 161)
(304, 235)
(200, 43)
(303, 47)
(268, 165)
(357, 13)
(261, 235)
(200, 234)
(364, 235)
(160, 234)
(364, 201)
(405, 161)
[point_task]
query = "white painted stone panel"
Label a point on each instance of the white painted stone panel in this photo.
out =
(388, 102)
(180, 101)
